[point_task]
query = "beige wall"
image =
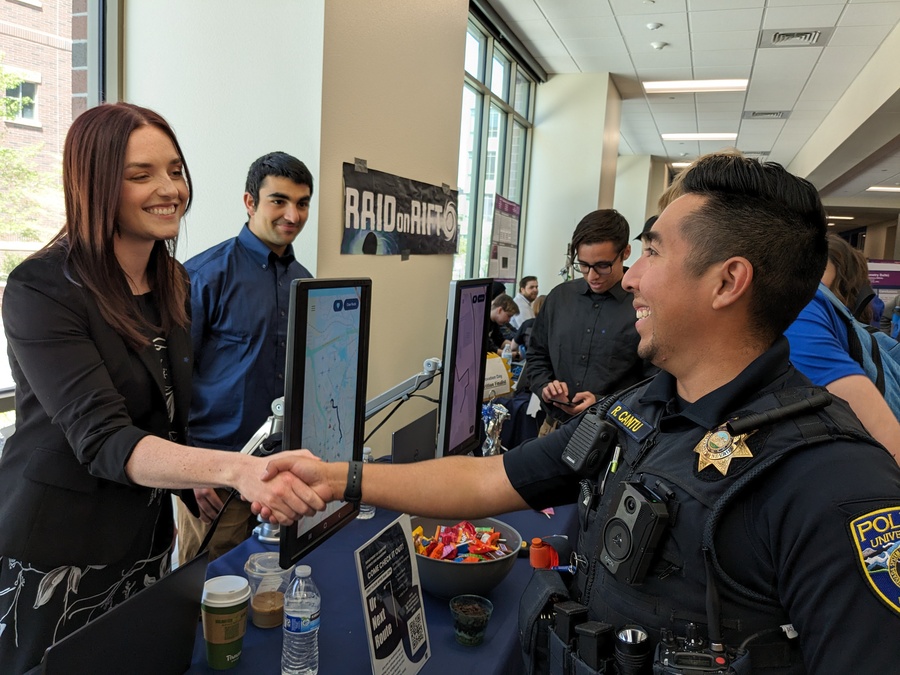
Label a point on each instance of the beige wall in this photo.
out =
(392, 95)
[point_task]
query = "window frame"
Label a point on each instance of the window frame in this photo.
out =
(476, 262)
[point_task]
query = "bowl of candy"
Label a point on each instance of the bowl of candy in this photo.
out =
(469, 557)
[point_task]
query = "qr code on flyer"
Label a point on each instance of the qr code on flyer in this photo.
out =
(416, 631)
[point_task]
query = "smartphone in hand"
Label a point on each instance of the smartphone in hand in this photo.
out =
(561, 401)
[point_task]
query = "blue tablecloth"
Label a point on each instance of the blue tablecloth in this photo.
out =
(343, 644)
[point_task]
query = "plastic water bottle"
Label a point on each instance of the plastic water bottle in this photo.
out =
(366, 511)
(302, 608)
(507, 355)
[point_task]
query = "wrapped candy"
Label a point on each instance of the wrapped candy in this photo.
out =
(493, 415)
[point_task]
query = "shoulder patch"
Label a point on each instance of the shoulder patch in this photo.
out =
(628, 422)
(876, 536)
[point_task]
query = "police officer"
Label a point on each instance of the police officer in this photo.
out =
(757, 487)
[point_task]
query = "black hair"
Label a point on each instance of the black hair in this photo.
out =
(598, 227)
(524, 281)
(278, 164)
(772, 218)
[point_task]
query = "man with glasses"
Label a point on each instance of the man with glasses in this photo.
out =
(584, 343)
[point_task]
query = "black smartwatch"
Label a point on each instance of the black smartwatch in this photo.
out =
(353, 491)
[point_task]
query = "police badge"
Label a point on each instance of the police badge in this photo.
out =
(719, 447)
(876, 536)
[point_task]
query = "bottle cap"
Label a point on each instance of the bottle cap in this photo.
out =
(303, 571)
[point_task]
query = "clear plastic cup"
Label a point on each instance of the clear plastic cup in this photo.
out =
(268, 582)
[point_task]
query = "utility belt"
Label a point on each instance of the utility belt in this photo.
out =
(558, 639)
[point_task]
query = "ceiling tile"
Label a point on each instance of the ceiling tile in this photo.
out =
(520, 9)
(703, 5)
(629, 7)
(796, 3)
(559, 8)
(859, 35)
(722, 73)
(665, 73)
(597, 47)
(558, 64)
(725, 20)
(585, 27)
(725, 40)
(670, 57)
(604, 63)
(546, 47)
(808, 16)
(873, 14)
(723, 58)
(533, 30)
(637, 24)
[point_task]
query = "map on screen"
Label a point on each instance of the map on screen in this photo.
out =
(325, 388)
(332, 367)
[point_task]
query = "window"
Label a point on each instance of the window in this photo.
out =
(493, 144)
(24, 101)
(61, 47)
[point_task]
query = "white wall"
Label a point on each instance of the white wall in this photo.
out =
(235, 82)
(567, 160)
(327, 82)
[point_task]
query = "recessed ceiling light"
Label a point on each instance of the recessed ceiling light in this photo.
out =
(830, 224)
(699, 137)
(675, 86)
(841, 217)
(680, 165)
(883, 189)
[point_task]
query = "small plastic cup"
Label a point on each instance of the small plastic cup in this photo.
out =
(471, 614)
(268, 582)
(224, 613)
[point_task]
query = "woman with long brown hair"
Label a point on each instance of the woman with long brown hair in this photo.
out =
(98, 330)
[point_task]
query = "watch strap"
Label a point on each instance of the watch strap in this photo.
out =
(353, 491)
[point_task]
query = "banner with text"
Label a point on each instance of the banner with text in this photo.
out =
(504, 240)
(390, 215)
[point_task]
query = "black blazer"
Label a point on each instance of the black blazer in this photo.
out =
(84, 399)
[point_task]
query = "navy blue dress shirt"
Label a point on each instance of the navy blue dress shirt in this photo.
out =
(240, 292)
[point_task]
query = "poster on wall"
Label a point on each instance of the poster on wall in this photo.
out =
(504, 240)
(884, 274)
(389, 215)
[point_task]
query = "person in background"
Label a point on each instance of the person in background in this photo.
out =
(821, 351)
(528, 291)
(523, 335)
(240, 292)
(724, 271)
(584, 343)
(502, 310)
(97, 324)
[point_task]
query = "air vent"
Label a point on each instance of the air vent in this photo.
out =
(811, 37)
(766, 114)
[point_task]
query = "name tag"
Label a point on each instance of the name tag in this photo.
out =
(630, 423)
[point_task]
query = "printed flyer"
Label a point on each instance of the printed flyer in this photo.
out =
(392, 601)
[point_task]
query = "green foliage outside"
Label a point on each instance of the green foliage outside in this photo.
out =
(26, 191)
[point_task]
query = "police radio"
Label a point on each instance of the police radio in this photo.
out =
(592, 441)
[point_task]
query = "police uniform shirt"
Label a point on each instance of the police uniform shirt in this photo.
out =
(818, 533)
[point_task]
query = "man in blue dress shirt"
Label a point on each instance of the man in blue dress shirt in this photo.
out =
(239, 298)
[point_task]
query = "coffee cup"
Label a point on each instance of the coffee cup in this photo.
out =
(224, 612)
(268, 582)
